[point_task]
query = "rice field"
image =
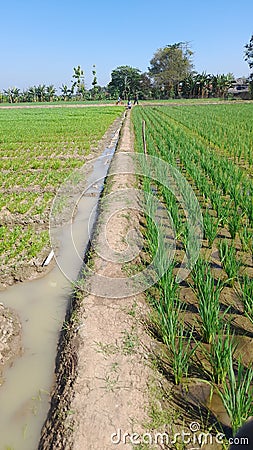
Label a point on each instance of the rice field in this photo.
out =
(39, 149)
(205, 323)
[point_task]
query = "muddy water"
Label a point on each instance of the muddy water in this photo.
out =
(41, 306)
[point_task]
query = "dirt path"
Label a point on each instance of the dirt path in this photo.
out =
(105, 389)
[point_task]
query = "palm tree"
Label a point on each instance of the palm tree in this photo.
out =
(224, 82)
(187, 86)
(41, 92)
(227, 83)
(202, 82)
(50, 90)
(32, 94)
(12, 94)
(66, 93)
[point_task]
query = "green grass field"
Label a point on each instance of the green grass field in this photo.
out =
(39, 149)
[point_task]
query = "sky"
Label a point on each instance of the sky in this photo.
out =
(41, 41)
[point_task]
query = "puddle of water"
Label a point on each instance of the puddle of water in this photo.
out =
(41, 305)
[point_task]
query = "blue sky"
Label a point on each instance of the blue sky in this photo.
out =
(41, 41)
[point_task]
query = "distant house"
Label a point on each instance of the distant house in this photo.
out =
(240, 89)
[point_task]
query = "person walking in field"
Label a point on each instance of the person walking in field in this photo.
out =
(136, 100)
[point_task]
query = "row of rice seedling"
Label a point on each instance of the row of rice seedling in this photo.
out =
(211, 337)
(229, 213)
(225, 215)
(225, 175)
(224, 128)
(235, 212)
(221, 172)
(168, 308)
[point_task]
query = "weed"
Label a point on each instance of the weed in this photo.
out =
(106, 349)
(111, 383)
(132, 310)
(130, 341)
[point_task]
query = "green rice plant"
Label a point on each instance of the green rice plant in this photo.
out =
(211, 225)
(42, 146)
(229, 261)
(182, 352)
(163, 250)
(245, 235)
(224, 213)
(249, 208)
(192, 248)
(221, 353)
(176, 217)
(235, 191)
(185, 234)
(166, 319)
(246, 295)
(236, 393)
(169, 286)
(208, 294)
(199, 273)
(217, 202)
(234, 224)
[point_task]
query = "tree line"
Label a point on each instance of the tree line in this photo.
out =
(171, 75)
